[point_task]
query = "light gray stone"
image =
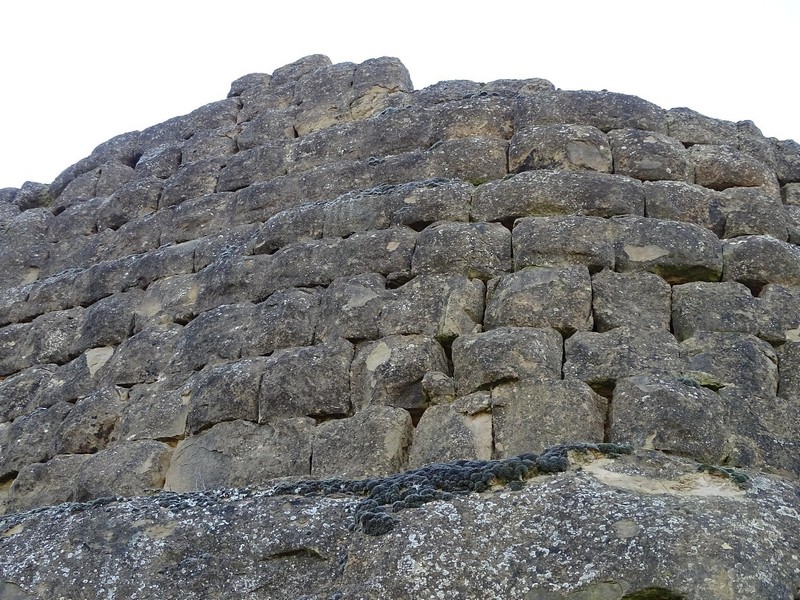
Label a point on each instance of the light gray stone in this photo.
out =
(779, 314)
(649, 156)
(351, 306)
(564, 147)
(444, 434)
(30, 438)
(703, 306)
(91, 424)
(681, 201)
(156, 411)
(754, 211)
(722, 167)
(758, 260)
(46, 484)
(690, 127)
(641, 300)
(476, 250)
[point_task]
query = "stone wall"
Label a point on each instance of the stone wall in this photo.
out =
(328, 273)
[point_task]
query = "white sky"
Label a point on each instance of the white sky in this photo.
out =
(76, 73)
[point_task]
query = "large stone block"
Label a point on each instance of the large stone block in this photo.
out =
(389, 371)
(16, 348)
(474, 159)
(192, 180)
(734, 360)
(703, 306)
(779, 314)
(681, 201)
(529, 416)
(156, 411)
(672, 415)
(649, 156)
(373, 442)
(479, 115)
(109, 321)
(257, 164)
(690, 127)
(641, 300)
(91, 424)
(563, 147)
(600, 359)
(787, 161)
(46, 484)
(476, 250)
(301, 223)
(286, 318)
(757, 260)
(678, 252)
(444, 434)
(207, 214)
(560, 298)
(229, 280)
(313, 381)
(226, 392)
(755, 211)
(789, 370)
(550, 193)
(481, 360)
(350, 308)
(439, 306)
(18, 393)
(168, 300)
(30, 438)
(722, 167)
(142, 358)
(564, 241)
(239, 453)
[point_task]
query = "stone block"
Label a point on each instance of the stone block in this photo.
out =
(286, 318)
(135, 468)
(226, 392)
(91, 424)
(301, 223)
(474, 159)
(202, 215)
(232, 279)
(168, 300)
(600, 359)
(76, 220)
(257, 164)
(787, 161)
(641, 300)
(210, 144)
(722, 167)
(604, 110)
(109, 321)
(704, 306)
(529, 416)
(789, 370)
(563, 242)
(351, 306)
(649, 156)
(267, 126)
(734, 360)
(241, 453)
(672, 415)
(16, 348)
(486, 115)
(690, 127)
(678, 252)
(191, 180)
(751, 140)
(142, 358)
(19, 392)
(476, 250)
(558, 298)
(389, 371)
(46, 484)
(552, 193)
(481, 360)
(312, 381)
(372, 443)
(438, 306)
(75, 379)
(156, 411)
(779, 314)
(159, 162)
(754, 211)
(681, 201)
(562, 147)
(30, 438)
(758, 260)
(444, 434)
(53, 335)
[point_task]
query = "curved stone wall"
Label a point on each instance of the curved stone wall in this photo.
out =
(328, 273)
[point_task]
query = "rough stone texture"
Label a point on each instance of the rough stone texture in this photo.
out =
(675, 415)
(505, 354)
(636, 299)
(541, 297)
(529, 416)
(316, 277)
(373, 442)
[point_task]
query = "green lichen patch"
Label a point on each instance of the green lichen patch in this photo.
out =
(739, 478)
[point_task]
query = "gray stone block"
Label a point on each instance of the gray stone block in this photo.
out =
(641, 300)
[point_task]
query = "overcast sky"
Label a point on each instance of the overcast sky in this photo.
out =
(74, 74)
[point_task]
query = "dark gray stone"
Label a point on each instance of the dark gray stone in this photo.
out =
(753, 211)
(563, 147)
(476, 250)
(649, 156)
(690, 127)
(787, 161)
(680, 201)
(757, 260)
(722, 167)
(641, 300)
(30, 438)
(444, 434)
(156, 411)
(779, 314)
(703, 306)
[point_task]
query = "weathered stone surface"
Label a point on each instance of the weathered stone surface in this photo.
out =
(390, 371)
(529, 416)
(481, 360)
(19, 392)
(226, 392)
(301, 223)
(758, 260)
(91, 424)
(722, 167)
(130, 468)
(678, 252)
(228, 280)
(670, 414)
(560, 298)
(257, 164)
(46, 484)
(753, 211)
(141, 358)
(351, 306)
(789, 370)
(439, 306)
(600, 359)
(787, 161)
(565, 147)
(680, 201)
(564, 241)
(160, 162)
(156, 411)
(550, 193)
(191, 181)
(476, 250)
(703, 306)
(649, 156)
(604, 110)
(487, 115)
(16, 344)
(30, 438)
(734, 359)
(371, 443)
(444, 434)
(237, 453)
(451, 539)
(690, 127)
(642, 300)
(313, 381)
(779, 314)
